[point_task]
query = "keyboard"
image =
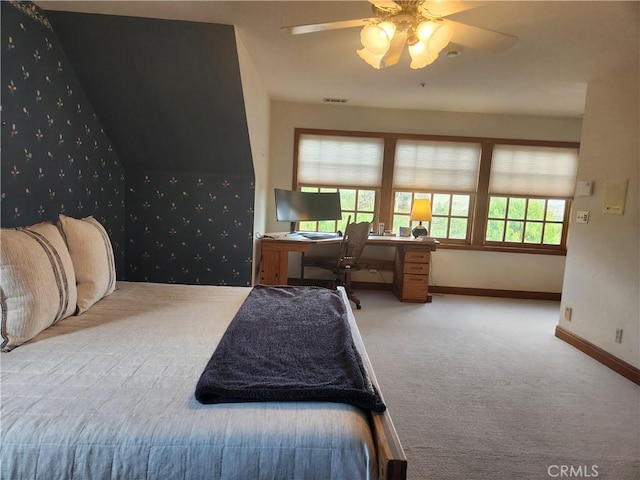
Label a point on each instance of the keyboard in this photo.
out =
(319, 235)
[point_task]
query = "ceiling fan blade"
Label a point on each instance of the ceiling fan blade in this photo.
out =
(442, 8)
(395, 49)
(321, 27)
(481, 39)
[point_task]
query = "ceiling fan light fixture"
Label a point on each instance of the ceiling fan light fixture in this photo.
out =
(421, 56)
(440, 37)
(400, 23)
(404, 23)
(376, 38)
(374, 60)
(425, 30)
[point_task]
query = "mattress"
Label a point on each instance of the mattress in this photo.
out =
(109, 394)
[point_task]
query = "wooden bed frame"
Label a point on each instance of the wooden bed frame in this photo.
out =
(392, 462)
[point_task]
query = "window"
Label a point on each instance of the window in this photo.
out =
(485, 193)
(530, 189)
(448, 168)
(351, 165)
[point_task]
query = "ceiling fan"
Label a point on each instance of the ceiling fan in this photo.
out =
(421, 25)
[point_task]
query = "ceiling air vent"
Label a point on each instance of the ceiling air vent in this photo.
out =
(334, 100)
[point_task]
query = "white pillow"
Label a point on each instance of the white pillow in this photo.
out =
(92, 257)
(38, 282)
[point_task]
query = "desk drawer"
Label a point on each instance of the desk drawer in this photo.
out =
(415, 287)
(416, 268)
(416, 256)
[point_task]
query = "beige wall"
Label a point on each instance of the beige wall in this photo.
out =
(451, 268)
(603, 264)
(257, 107)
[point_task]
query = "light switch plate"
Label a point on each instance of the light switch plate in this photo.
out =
(582, 217)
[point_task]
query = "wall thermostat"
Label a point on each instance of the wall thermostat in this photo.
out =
(584, 188)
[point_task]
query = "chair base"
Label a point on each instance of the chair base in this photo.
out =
(339, 282)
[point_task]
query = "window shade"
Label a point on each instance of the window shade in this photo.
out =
(525, 170)
(333, 160)
(436, 166)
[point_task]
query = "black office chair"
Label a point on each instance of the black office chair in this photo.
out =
(353, 242)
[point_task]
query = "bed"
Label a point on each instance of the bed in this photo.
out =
(109, 393)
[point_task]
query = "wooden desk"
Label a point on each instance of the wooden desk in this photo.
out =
(411, 264)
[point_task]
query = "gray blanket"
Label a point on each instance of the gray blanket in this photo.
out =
(288, 343)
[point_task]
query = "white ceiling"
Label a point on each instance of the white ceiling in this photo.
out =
(562, 45)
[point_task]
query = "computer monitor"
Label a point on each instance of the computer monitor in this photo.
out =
(294, 206)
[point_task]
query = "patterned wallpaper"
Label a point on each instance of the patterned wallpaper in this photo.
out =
(189, 228)
(55, 155)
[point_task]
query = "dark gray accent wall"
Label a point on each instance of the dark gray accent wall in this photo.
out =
(168, 92)
(56, 157)
(169, 95)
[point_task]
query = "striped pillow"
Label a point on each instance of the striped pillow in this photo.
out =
(38, 282)
(92, 257)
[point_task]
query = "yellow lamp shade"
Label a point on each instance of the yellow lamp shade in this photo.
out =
(421, 210)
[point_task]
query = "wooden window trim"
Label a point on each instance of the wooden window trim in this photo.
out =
(479, 199)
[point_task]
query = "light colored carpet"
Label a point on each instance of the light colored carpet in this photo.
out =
(480, 388)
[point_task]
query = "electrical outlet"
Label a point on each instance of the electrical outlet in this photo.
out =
(567, 313)
(618, 335)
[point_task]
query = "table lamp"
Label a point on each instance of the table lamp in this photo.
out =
(420, 211)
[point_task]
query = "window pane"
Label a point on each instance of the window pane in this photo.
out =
(364, 217)
(535, 210)
(400, 221)
(440, 205)
(460, 205)
(458, 228)
(495, 230)
(402, 203)
(516, 208)
(552, 234)
(533, 233)
(555, 210)
(514, 231)
(348, 199)
(366, 200)
(307, 226)
(498, 207)
(309, 189)
(438, 227)
(327, 226)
